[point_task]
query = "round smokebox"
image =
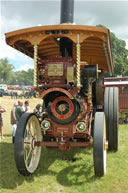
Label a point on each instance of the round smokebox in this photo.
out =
(63, 110)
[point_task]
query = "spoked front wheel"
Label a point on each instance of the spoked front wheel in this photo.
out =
(27, 154)
(99, 144)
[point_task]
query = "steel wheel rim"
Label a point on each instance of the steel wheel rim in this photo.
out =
(99, 143)
(31, 151)
(104, 149)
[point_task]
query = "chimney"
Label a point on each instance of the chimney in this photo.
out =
(67, 11)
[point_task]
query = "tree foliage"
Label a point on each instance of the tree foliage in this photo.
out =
(24, 77)
(120, 55)
(11, 77)
(5, 71)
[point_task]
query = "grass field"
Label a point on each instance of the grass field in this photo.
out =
(58, 172)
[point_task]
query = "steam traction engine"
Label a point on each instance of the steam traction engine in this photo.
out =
(69, 65)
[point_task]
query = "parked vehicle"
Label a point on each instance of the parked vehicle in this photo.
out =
(4, 86)
(4, 93)
(1, 92)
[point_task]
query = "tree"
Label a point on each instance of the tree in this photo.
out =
(5, 71)
(30, 75)
(12, 80)
(24, 77)
(10, 77)
(120, 55)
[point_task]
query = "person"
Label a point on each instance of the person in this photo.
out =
(16, 95)
(19, 111)
(38, 111)
(2, 110)
(13, 121)
(26, 107)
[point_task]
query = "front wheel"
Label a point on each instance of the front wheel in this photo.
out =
(99, 144)
(27, 154)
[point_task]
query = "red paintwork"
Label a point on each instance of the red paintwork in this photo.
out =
(70, 107)
(64, 146)
(56, 80)
(44, 93)
(70, 130)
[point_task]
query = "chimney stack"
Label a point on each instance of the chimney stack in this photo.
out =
(67, 11)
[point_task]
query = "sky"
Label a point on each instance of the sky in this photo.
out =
(18, 14)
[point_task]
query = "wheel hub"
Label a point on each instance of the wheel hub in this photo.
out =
(33, 142)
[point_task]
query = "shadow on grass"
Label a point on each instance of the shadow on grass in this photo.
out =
(73, 170)
(76, 165)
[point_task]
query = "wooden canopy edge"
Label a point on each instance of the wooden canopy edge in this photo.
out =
(86, 32)
(56, 27)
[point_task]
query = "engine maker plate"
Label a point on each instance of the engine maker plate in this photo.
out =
(55, 69)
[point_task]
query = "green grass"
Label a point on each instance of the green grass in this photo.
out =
(58, 172)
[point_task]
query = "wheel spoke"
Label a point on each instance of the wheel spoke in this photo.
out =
(34, 151)
(30, 133)
(27, 141)
(28, 156)
(29, 129)
(34, 129)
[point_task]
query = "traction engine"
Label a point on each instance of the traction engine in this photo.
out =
(67, 101)
(69, 65)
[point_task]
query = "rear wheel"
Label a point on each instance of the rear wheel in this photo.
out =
(27, 154)
(111, 112)
(99, 150)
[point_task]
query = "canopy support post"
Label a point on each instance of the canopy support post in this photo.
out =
(78, 62)
(35, 61)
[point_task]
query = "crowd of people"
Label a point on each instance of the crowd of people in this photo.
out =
(18, 109)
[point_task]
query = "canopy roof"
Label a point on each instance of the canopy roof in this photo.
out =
(94, 41)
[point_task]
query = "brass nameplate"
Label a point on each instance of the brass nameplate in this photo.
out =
(55, 69)
(70, 74)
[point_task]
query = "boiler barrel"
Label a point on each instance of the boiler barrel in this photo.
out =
(67, 11)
